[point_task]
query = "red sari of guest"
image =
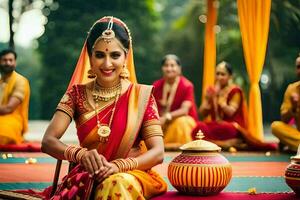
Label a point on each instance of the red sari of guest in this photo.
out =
(231, 127)
(224, 129)
(184, 92)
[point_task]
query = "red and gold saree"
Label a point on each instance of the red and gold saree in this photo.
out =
(135, 109)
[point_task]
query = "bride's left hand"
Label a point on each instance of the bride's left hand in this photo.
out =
(107, 170)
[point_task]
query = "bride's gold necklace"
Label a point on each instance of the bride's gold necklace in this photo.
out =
(105, 130)
(105, 94)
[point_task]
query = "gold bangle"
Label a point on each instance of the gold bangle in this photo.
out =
(127, 164)
(74, 153)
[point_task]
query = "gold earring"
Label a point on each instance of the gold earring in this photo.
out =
(91, 74)
(124, 72)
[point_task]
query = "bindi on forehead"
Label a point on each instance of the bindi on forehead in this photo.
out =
(106, 49)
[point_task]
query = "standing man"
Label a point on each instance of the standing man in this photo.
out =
(14, 100)
(288, 134)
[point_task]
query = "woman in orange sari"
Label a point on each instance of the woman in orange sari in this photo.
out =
(225, 106)
(174, 95)
(113, 116)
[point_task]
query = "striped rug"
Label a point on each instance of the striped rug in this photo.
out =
(262, 171)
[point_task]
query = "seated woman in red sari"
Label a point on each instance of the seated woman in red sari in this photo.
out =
(113, 116)
(225, 106)
(174, 95)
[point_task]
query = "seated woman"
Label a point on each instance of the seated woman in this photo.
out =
(112, 116)
(174, 95)
(224, 104)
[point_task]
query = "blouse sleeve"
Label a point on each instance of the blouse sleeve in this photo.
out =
(67, 102)
(235, 101)
(189, 94)
(151, 124)
(19, 88)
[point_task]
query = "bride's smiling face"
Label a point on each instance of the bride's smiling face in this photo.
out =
(107, 62)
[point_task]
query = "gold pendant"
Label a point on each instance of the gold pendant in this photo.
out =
(104, 131)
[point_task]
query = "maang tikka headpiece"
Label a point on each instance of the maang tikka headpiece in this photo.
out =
(108, 34)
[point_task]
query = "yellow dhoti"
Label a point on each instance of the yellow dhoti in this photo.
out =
(10, 129)
(15, 124)
(287, 134)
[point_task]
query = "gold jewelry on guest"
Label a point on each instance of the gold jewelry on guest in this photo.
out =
(125, 72)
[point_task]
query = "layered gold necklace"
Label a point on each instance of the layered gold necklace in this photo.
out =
(105, 94)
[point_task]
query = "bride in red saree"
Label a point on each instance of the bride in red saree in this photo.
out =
(117, 123)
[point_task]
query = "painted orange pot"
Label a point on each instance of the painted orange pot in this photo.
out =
(292, 174)
(200, 169)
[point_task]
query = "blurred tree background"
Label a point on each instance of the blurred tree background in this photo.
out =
(158, 27)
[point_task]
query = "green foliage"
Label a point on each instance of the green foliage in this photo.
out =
(66, 31)
(28, 64)
(184, 38)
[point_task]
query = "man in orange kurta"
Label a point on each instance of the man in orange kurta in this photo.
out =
(288, 134)
(14, 100)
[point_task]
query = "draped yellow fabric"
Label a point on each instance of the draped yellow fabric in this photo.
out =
(254, 17)
(209, 47)
(15, 124)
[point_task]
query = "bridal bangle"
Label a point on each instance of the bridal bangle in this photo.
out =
(126, 164)
(74, 153)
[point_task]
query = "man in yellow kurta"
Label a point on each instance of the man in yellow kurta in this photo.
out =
(14, 100)
(287, 133)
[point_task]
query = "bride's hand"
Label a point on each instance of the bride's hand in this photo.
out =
(109, 169)
(93, 162)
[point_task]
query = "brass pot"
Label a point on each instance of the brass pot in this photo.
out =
(200, 169)
(292, 173)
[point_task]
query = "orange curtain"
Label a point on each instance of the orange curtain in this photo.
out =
(254, 18)
(209, 46)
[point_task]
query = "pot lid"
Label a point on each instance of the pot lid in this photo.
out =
(297, 156)
(200, 145)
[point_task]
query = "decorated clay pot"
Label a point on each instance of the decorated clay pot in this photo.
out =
(292, 174)
(200, 169)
